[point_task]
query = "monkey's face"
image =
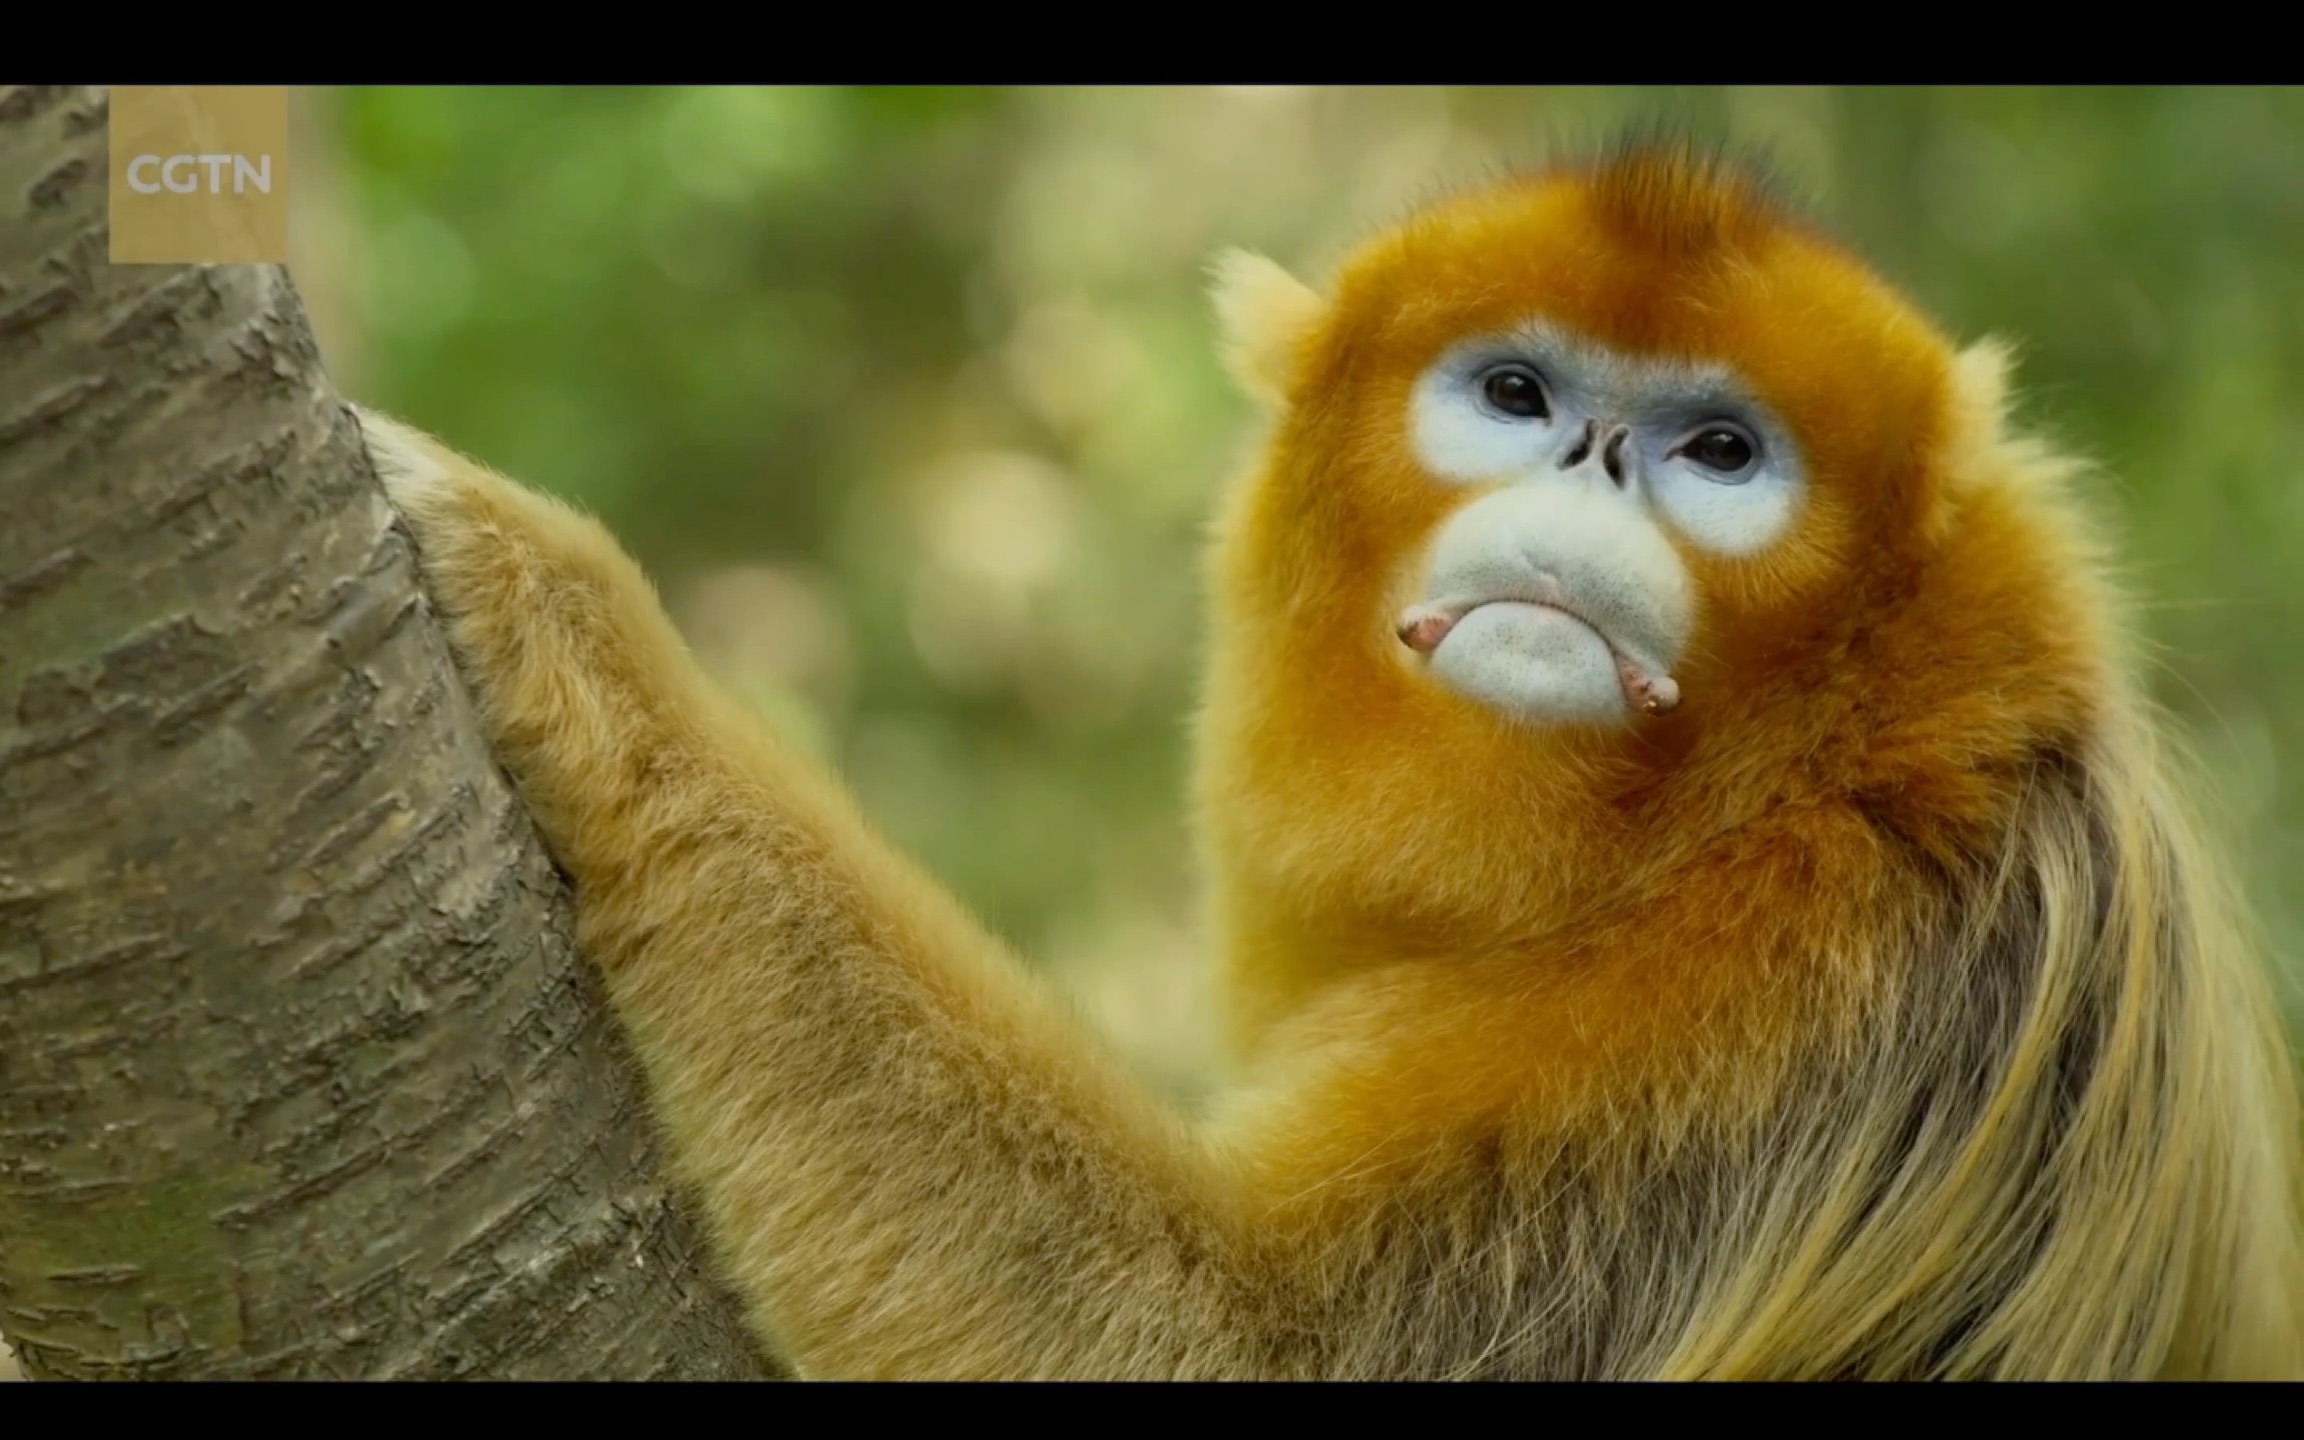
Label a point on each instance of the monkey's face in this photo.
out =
(1608, 447)
(1559, 592)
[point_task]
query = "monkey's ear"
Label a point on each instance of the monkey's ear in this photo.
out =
(1980, 384)
(1982, 443)
(1978, 412)
(1264, 314)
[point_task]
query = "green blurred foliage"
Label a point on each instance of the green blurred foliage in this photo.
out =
(908, 396)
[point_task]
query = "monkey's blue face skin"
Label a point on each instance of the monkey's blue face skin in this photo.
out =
(1688, 442)
(1560, 594)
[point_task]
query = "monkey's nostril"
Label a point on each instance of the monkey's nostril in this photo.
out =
(1612, 454)
(1583, 446)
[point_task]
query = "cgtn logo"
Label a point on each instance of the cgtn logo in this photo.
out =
(179, 174)
(198, 175)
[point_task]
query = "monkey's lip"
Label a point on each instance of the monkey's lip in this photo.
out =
(1647, 687)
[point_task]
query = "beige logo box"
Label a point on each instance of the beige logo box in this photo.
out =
(199, 174)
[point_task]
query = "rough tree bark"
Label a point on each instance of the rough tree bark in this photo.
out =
(300, 1074)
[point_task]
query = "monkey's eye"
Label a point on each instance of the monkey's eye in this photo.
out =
(1514, 391)
(1719, 448)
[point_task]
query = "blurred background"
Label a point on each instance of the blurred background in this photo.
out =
(908, 397)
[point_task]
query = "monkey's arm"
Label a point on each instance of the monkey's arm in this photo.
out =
(912, 1164)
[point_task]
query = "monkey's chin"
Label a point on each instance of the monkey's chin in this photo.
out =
(1532, 662)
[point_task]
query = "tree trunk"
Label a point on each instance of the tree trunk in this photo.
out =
(300, 1074)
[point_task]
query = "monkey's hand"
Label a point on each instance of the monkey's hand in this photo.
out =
(911, 1162)
(578, 673)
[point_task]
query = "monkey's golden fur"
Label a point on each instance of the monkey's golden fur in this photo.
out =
(1877, 1013)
